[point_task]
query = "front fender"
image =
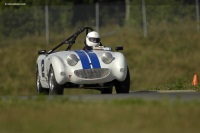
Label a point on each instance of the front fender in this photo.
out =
(59, 69)
(120, 67)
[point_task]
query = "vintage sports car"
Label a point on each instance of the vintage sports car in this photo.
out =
(95, 68)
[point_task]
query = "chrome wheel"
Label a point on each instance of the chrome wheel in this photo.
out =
(38, 83)
(51, 82)
(54, 87)
(39, 88)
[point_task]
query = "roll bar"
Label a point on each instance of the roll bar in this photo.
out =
(71, 40)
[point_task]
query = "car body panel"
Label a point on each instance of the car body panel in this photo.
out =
(90, 61)
(92, 66)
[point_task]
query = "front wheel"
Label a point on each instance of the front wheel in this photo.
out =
(54, 87)
(124, 86)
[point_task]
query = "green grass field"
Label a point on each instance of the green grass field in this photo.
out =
(112, 116)
(167, 59)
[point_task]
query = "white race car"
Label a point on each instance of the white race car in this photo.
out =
(98, 68)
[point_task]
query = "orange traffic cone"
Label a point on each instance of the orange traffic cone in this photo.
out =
(195, 80)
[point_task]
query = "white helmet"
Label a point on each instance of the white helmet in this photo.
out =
(93, 39)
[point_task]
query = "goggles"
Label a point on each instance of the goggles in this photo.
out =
(94, 40)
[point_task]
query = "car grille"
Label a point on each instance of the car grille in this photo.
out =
(92, 73)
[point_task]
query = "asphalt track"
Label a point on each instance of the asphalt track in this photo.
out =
(182, 95)
(173, 95)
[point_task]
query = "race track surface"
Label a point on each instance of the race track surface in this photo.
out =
(183, 95)
(145, 95)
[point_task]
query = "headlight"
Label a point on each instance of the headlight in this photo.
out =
(72, 60)
(107, 58)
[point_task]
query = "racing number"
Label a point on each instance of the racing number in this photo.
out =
(42, 67)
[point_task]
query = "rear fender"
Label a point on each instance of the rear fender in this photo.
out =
(39, 68)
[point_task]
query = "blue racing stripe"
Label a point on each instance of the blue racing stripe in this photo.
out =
(94, 59)
(84, 59)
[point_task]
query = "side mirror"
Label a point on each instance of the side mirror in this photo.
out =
(42, 52)
(119, 48)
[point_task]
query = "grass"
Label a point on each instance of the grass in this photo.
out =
(113, 116)
(167, 59)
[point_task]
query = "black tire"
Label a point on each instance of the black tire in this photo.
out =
(39, 88)
(54, 87)
(124, 86)
(106, 90)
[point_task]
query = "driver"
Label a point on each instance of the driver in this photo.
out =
(92, 40)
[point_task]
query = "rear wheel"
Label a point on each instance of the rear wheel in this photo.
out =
(39, 88)
(124, 86)
(54, 87)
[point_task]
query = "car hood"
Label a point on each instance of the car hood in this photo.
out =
(88, 58)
